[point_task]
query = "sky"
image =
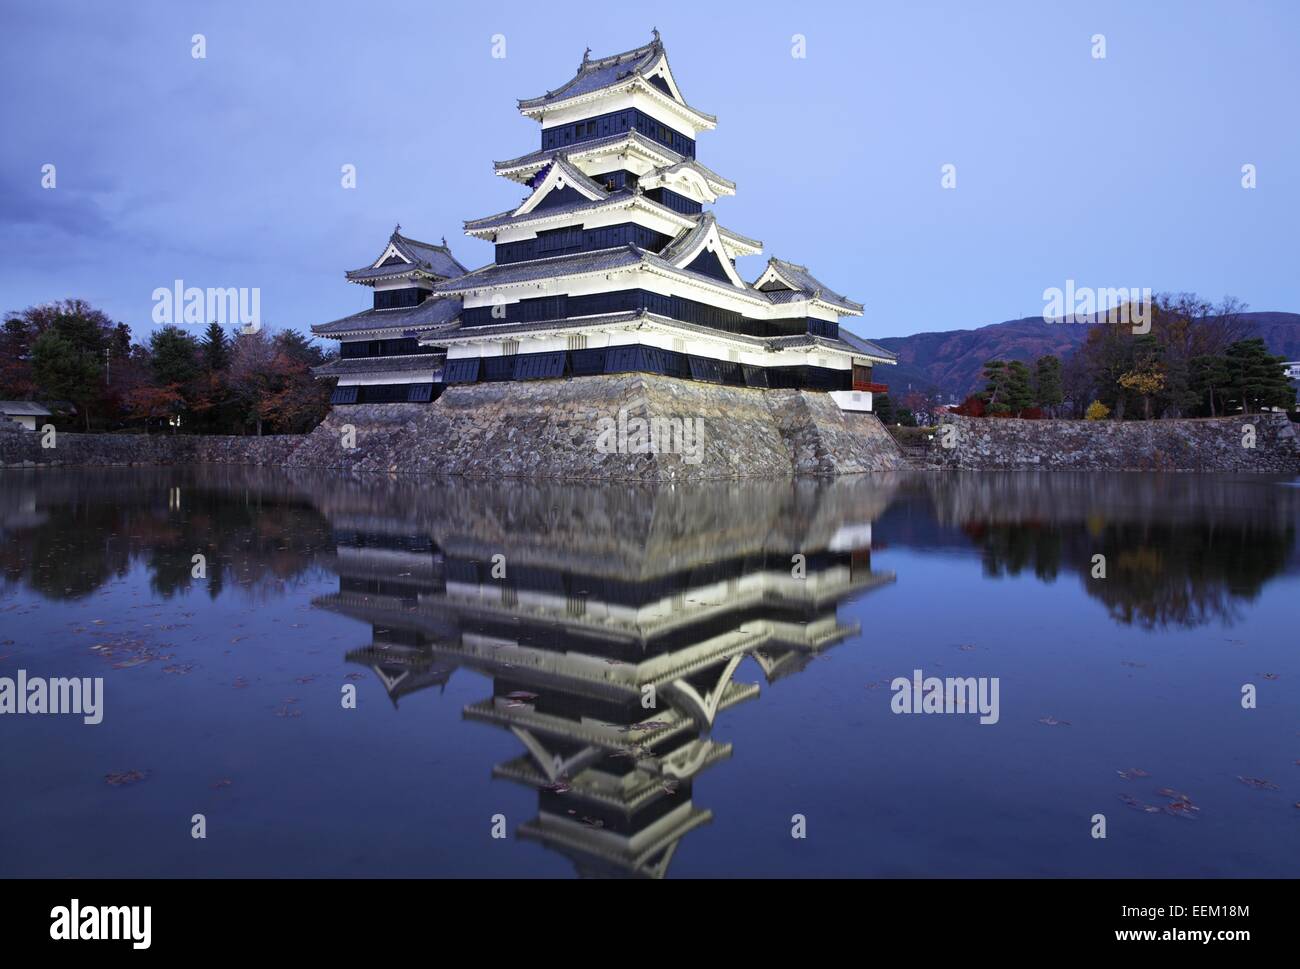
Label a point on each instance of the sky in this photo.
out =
(226, 171)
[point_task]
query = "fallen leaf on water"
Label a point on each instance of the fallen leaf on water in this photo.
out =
(355, 676)
(1053, 722)
(128, 663)
(125, 778)
(180, 669)
(1271, 676)
(1137, 805)
(1176, 795)
(1132, 773)
(224, 782)
(240, 683)
(305, 679)
(1181, 809)
(1258, 783)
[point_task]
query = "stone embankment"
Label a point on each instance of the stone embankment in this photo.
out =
(633, 427)
(1253, 443)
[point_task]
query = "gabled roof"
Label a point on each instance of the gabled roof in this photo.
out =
(781, 275)
(433, 313)
(709, 184)
(691, 243)
(559, 175)
(601, 73)
(485, 226)
(409, 257)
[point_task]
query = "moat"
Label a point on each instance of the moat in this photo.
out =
(638, 680)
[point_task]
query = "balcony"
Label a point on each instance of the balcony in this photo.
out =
(870, 387)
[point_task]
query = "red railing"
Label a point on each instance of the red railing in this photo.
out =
(872, 388)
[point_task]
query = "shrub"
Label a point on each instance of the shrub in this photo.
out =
(1097, 411)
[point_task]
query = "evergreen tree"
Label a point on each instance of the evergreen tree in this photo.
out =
(1209, 380)
(995, 393)
(63, 370)
(1256, 378)
(174, 362)
(1020, 387)
(216, 348)
(1049, 392)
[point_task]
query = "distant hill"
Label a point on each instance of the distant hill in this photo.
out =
(952, 362)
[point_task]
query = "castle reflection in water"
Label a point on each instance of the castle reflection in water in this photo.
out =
(611, 624)
(608, 628)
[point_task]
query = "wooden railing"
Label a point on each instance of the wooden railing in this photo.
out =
(871, 388)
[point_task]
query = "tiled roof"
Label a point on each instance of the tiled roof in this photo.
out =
(576, 175)
(603, 72)
(798, 278)
(23, 408)
(425, 259)
(431, 362)
(675, 160)
(707, 173)
(687, 238)
(601, 321)
(847, 343)
(503, 219)
(579, 262)
(434, 312)
(866, 346)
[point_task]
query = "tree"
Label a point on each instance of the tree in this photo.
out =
(215, 348)
(155, 403)
(64, 371)
(995, 385)
(1049, 391)
(1020, 387)
(174, 356)
(1097, 411)
(1257, 379)
(1209, 377)
(884, 408)
(1144, 383)
(16, 380)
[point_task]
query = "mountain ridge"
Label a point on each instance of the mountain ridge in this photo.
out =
(952, 361)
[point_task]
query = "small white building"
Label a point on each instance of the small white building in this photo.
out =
(24, 412)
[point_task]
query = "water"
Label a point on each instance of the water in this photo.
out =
(224, 694)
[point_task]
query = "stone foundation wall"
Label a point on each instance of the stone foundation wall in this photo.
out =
(583, 428)
(1208, 444)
